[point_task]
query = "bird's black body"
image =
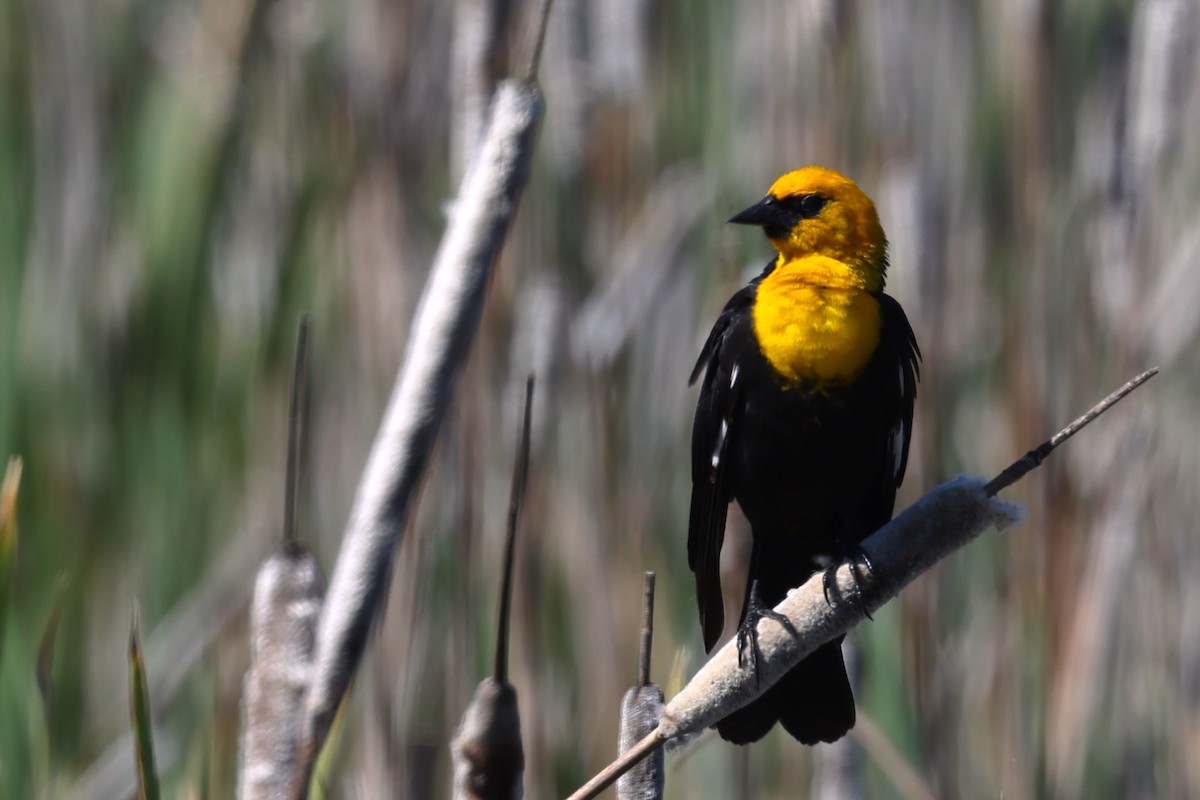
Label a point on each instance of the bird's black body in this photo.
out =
(814, 469)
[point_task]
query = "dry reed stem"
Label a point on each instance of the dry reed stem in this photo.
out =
(1036, 456)
(444, 328)
(283, 615)
(488, 756)
(640, 711)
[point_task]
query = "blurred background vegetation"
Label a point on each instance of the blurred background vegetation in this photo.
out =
(179, 179)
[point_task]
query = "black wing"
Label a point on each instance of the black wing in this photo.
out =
(901, 360)
(714, 429)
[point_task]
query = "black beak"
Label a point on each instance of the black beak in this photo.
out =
(767, 214)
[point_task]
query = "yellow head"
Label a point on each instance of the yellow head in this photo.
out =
(816, 211)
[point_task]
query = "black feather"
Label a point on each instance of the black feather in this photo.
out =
(814, 469)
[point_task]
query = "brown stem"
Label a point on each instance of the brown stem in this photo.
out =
(1031, 460)
(520, 478)
(296, 412)
(608, 776)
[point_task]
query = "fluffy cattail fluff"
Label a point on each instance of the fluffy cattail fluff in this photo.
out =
(283, 617)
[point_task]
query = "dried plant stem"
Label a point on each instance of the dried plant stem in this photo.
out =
(1036, 456)
(444, 328)
(516, 500)
(939, 523)
(297, 410)
(608, 776)
(487, 752)
(535, 53)
(647, 638)
(641, 709)
(287, 599)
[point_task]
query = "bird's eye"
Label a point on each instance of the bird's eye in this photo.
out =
(811, 205)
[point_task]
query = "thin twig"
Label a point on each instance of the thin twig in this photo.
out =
(1036, 456)
(647, 631)
(535, 56)
(641, 712)
(516, 500)
(487, 753)
(296, 413)
(624, 762)
(287, 599)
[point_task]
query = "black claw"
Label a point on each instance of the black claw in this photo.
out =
(828, 580)
(857, 558)
(747, 632)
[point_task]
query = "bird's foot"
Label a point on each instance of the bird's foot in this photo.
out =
(857, 559)
(747, 632)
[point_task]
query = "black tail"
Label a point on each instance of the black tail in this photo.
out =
(813, 702)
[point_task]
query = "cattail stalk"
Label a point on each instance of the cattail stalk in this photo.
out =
(283, 616)
(488, 756)
(640, 711)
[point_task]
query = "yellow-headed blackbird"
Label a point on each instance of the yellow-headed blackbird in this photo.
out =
(804, 419)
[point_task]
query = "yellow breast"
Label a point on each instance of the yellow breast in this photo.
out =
(815, 322)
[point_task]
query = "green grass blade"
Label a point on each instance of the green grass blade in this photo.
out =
(143, 732)
(44, 670)
(8, 538)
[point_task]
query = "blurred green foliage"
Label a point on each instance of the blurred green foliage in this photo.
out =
(178, 180)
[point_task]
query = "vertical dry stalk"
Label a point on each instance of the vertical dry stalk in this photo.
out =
(445, 326)
(489, 758)
(640, 710)
(283, 616)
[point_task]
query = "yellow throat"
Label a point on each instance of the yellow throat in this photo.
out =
(814, 315)
(815, 322)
